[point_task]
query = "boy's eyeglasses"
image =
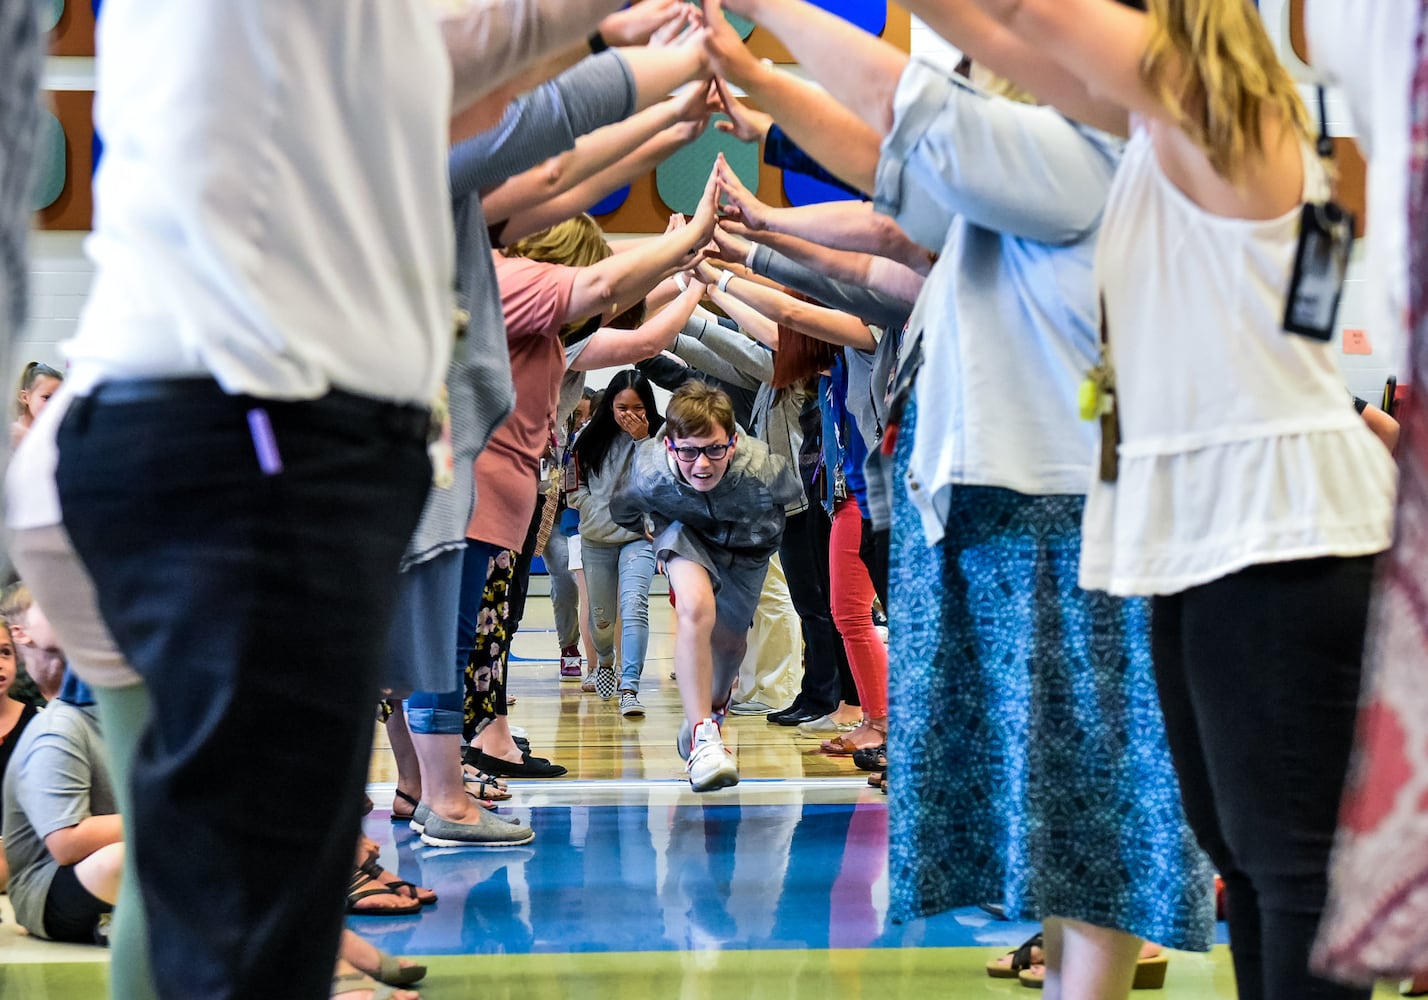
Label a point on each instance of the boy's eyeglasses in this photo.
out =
(713, 452)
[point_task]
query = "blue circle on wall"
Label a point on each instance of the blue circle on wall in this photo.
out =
(800, 189)
(610, 202)
(870, 15)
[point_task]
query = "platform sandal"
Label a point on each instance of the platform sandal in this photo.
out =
(1019, 959)
(1150, 971)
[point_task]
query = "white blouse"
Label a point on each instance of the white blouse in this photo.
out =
(1239, 442)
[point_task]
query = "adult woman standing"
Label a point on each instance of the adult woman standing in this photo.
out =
(1245, 494)
(1027, 752)
(619, 563)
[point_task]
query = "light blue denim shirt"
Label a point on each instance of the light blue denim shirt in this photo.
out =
(1012, 196)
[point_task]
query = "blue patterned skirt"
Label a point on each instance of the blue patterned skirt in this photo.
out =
(1028, 759)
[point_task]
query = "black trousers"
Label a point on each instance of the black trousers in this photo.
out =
(1259, 681)
(247, 574)
(827, 678)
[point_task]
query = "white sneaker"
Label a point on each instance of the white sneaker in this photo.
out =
(710, 765)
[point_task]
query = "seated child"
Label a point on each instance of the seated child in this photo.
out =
(42, 665)
(62, 834)
(713, 503)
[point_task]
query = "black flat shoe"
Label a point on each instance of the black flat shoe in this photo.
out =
(793, 709)
(798, 718)
(530, 767)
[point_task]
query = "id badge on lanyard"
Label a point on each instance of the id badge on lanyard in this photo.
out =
(1321, 258)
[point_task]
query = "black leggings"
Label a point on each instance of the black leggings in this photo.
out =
(1259, 681)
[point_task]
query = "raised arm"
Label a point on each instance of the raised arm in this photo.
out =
(491, 42)
(842, 225)
(614, 284)
(807, 318)
(855, 66)
(544, 122)
(1238, 122)
(592, 153)
(588, 192)
(859, 70)
(827, 131)
(608, 348)
(872, 288)
(739, 351)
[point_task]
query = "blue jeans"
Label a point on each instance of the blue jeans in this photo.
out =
(256, 607)
(623, 573)
(564, 593)
(439, 713)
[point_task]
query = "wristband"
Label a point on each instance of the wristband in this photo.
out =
(597, 43)
(749, 257)
(681, 282)
(724, 280)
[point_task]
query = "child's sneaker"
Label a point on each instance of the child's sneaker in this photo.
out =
(606, 683)
(684, 740)
(570, 664)
(630, 706)
(710, 765)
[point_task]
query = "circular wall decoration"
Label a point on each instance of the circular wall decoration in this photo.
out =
(50, 14)
(800, 189)
(871, 17)
(51, 173)
(680, 179)
(610, 202)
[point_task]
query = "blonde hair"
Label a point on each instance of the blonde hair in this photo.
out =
(578, 242)
(1212, 64)
(15, 600)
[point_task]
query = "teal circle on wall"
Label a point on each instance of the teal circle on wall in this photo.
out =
(680, 179)
(49, 163)
(50, 14)
(742, 25)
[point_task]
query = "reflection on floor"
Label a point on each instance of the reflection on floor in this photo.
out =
(635, 887)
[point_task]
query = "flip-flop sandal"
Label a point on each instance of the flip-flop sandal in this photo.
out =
(488, 787)
(875, 779)
(403, 888)
(1014, 962)
(364, 885)
(391, 971)
(352, 982)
